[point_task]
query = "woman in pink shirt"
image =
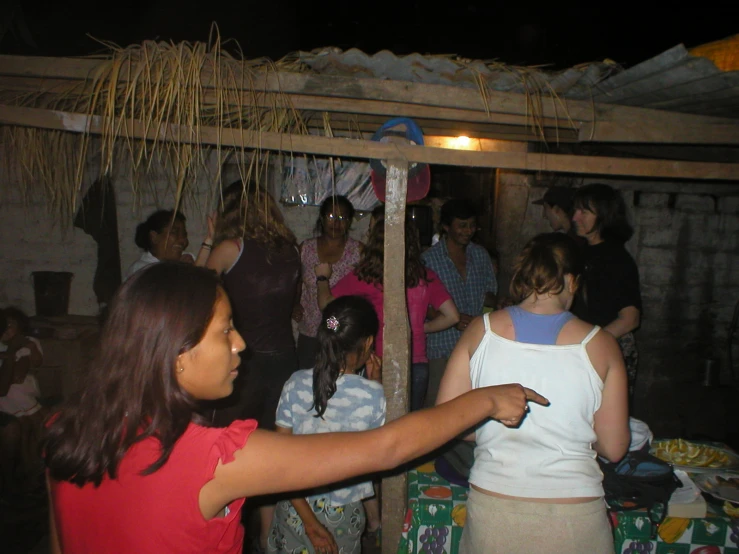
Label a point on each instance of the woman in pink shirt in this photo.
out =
(423, 288)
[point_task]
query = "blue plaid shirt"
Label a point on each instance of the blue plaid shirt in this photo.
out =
(468, 294)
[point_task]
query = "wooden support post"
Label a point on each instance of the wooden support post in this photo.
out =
(396, 342)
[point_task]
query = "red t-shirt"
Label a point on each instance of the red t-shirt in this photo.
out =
(157, 513)
(418, 299)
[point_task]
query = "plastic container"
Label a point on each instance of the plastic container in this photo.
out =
(51, 292)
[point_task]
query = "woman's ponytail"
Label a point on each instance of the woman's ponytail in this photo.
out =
(345, 325)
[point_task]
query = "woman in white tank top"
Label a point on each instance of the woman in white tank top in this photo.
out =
(537, 487)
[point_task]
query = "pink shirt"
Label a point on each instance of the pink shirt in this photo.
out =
(431, 292)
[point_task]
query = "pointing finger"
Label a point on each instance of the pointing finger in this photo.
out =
(534, 396)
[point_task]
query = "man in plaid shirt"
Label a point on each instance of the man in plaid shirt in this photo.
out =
(467, 272)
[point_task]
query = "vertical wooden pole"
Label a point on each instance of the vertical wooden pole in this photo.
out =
(396, 343)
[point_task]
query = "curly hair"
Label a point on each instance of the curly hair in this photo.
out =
(542, 265)
(250, 212)
(371, 264)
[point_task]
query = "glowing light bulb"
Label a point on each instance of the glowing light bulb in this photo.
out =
(462, 142)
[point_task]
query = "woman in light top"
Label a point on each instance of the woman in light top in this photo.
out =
(537, 487)
(163, 238)
(331, 397)
(334, 246)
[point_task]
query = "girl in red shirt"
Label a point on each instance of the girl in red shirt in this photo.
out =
(133, 467)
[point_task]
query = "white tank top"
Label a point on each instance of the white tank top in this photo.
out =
(550, 454)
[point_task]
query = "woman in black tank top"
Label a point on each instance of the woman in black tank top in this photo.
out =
(257, 256)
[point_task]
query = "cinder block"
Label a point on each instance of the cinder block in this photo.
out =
(660, 237)
(653, 200)
(661, 257)
(728, 204)
(658, 276)
(695, 203)
(652, 217)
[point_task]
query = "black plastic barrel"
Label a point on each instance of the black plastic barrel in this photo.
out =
(51, 292)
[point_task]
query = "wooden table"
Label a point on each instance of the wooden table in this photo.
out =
(437, 513)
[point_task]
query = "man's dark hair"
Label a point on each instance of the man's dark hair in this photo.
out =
(457, 208)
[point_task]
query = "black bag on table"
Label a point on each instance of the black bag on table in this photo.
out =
(638, 481)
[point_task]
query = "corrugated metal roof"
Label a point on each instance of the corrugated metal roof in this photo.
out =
(674, 80)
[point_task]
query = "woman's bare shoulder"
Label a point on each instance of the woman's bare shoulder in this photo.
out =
(501, 324)
(223, 256)
(575, 331)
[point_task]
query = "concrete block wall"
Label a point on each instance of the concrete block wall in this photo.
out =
(34, 241)
(688, 258)
(686, 245)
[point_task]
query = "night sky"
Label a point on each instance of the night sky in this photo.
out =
(558, 34)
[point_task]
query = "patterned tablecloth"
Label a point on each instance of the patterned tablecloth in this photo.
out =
(437, 512)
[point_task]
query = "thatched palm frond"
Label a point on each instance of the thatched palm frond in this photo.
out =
(185, 85)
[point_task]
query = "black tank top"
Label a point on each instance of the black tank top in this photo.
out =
(262, 285)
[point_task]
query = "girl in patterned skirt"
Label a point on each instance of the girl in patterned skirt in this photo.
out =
(331, 397)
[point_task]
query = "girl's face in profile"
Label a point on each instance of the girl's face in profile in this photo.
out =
(207, 371)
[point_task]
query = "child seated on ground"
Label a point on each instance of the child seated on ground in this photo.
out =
(21, 414)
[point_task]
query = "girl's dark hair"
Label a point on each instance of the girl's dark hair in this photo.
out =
(20, 317)
(356, 320)
(329, 205)
(250, 212)
(378, 212)
(609, 208)
(371, 264)
(131, 392)
(157, 222)
(542, 265)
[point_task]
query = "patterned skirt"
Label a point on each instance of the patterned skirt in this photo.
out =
(346, 524)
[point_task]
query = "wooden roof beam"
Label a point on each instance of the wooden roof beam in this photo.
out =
(315, 103)
(369, 124)
(364, 149)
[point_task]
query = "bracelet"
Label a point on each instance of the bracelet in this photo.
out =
(206, 245)
(321, 278)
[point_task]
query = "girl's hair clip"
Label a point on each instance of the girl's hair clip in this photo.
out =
(332, 323)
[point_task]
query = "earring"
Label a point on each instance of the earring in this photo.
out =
(180, 369)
